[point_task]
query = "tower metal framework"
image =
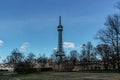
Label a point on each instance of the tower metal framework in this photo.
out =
(60, 51)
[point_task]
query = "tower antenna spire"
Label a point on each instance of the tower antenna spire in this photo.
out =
(59, 20)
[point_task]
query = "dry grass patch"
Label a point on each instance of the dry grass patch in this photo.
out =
(63, 76)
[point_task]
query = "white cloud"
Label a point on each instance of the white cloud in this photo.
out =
(1, 42)
(24, 46)
(68, 45)
(55, 49)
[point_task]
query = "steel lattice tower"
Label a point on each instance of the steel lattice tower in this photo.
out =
(60, 51)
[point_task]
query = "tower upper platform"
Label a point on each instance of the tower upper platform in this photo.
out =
(60, 27)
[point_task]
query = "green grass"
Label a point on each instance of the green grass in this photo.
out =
(62, 76)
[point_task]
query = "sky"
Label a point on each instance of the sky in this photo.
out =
(31, 25)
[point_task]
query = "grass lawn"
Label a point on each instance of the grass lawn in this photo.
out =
(62, 76)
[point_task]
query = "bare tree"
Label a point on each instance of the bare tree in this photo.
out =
(74, 56)
(15, 57)
(30, 60)
(111, 35)
(87, 53)
(42, 60)
(53, 56)
(104, 51)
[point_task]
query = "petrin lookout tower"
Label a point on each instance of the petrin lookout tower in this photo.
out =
(60, 52)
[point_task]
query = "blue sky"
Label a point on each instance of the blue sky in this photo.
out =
(31, 25)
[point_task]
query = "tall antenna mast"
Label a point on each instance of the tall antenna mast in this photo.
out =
(59, 20)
